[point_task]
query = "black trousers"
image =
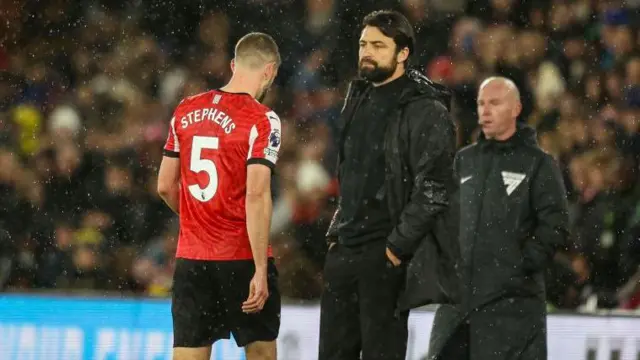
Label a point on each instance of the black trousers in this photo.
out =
(358, 308)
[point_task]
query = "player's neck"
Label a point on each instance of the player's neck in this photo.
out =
(242, 84)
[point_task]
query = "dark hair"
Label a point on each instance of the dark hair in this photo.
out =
(394, 25)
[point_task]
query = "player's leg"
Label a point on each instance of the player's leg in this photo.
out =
(258, 332)
(201, 353)
(384, 332)
(197, 319)
(339, 312)
(261, 350)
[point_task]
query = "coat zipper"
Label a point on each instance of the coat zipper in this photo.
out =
(481, 196)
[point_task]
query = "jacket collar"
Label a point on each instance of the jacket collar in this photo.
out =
(420, 87)
(524, 135)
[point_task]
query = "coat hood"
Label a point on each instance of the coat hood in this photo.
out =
(423, 87)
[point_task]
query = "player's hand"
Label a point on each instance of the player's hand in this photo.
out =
(258, 293)
(394, 260)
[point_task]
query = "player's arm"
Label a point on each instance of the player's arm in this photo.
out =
(258, 208)
(265, 140)
(169, 174)
(264, 144)
(169, 182)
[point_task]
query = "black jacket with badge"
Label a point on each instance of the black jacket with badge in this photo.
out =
(514, 217)
(420, 144)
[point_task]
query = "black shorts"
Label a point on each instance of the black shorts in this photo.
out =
(207, 303)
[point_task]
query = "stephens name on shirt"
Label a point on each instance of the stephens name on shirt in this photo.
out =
(210, 114)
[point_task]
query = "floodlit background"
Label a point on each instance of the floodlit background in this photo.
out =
(87, 89)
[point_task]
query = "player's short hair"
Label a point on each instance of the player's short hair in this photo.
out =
(257, 49)
(394, 25)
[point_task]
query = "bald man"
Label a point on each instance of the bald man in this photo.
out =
(513, 218)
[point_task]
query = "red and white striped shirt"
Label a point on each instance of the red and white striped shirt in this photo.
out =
(216, 135)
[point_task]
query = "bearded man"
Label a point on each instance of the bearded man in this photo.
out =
(393, 241)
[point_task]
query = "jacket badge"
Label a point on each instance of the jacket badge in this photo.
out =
(512, 180)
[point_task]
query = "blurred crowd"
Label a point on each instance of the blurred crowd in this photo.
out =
(87, 89)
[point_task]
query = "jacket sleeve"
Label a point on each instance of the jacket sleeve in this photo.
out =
(431, 151)
(549, 202)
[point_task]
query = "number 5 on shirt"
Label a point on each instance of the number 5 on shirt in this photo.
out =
(199, 164)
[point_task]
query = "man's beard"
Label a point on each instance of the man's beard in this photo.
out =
(378, 73)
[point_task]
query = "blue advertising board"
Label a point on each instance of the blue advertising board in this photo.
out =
(56, 328)
(91, 329)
